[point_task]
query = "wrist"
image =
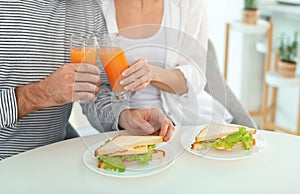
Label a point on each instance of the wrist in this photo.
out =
(29, 99)
(156, 71)
(122, 119)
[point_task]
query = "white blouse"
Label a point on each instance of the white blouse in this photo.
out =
(135, 49)
(185, 29)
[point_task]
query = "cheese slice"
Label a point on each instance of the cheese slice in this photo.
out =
(132, 151)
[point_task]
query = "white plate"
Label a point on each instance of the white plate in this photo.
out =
(235, 154)
(136, 170)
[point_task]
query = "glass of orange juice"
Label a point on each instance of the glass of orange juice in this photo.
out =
(114, 62)
(83, 49)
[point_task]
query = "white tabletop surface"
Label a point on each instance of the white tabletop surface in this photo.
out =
(59, 168)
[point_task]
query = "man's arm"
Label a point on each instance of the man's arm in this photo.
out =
(8, 108)
(69, 83)
(103, 113)
(108, 114)
(30, 98)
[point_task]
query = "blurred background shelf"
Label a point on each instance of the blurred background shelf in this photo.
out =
(273, 79)
(286, 19)
(282, 10)
(261, 27)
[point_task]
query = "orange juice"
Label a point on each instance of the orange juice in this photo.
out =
(114, 62)
(84, 55)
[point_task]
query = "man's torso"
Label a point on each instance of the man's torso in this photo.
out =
(34, 42)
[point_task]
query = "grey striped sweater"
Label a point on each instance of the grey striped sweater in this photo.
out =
(34, 42)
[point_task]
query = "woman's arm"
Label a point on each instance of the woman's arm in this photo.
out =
(169, 80)
(189, 70)
(192, 44)
(141, 74)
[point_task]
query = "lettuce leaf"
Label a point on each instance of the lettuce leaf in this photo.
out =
(112, 162)
(231, 140)
(143, 158)
(115, 163)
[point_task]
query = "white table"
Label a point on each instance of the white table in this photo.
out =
(59, 168)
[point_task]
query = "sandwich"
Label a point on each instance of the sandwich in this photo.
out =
(224, 137)
(122, 151)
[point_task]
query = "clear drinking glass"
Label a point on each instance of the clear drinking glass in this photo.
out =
(83, 49)
(114, 61)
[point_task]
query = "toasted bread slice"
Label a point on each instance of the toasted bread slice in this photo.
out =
(197, 146)
(157, 154)
(128, 145)
(219, 131)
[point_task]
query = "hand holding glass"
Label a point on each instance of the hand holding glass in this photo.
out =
(84, 51)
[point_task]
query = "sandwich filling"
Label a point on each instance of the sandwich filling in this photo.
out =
(116, 162)
(231, 140)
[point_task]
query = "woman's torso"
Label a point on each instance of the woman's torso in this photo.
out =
(202, 106)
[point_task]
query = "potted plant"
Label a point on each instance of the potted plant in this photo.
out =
(250, 12)
(288, 52)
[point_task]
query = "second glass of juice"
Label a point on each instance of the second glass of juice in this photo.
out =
(114, 61)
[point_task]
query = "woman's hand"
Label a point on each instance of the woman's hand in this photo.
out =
(138, 75)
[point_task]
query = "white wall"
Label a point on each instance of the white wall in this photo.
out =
(222, 11)
(244, 62)
(219, 12)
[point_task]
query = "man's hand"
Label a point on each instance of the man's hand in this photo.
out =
(68, 83)
(72, 82)
(147, 122)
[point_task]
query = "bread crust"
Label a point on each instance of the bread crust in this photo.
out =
(219, 131)
(122, 143)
